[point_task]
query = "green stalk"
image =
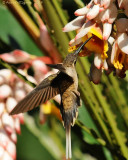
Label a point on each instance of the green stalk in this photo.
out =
(92, 133)
(117, 106)
(79, 3)
(61, 16)
(32, 11)
(56, 26)
(44, 139)
(119, 137)
(100, 124)
(122, 103)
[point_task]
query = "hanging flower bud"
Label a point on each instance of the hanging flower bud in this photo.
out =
(10, 104)
(11, 150)
(95, 74)
(16, 56)
(2, 107)
(5, 91)
(5, 76)
(7, 122)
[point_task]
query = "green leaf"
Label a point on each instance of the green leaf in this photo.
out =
(14, 35)
(79, 3)
(43, 138)
(30, 148)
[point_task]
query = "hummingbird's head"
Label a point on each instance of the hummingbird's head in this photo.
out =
(71, 59)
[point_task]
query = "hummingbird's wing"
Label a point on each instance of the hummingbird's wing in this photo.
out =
(46, 90)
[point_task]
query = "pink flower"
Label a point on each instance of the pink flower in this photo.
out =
(5, 91)
(47, 42)
(2, 106)
(10, 104)
(9, 125)
(16, 56)
(74, 24)
(5, 76)
(40, 69)
(7, 122)
(7, 147)
(101, 12)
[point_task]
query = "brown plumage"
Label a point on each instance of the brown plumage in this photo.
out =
(65, 83)
(46, 90)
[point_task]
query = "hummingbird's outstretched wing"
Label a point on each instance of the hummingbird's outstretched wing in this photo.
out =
(46, 90)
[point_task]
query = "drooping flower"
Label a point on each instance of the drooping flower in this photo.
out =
(49, 108)
(46, 41)
(96, 45)
(95, 74)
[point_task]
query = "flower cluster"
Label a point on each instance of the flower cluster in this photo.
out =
(9, 125)
(110, 36)
(12, 90)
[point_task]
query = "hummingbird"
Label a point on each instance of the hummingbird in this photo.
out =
(65, 83)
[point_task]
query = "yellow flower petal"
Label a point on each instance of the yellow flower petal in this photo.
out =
(49, 108)
(46, 108)
(71, 49)
(96, 30)
(119, 59)
(97, 45)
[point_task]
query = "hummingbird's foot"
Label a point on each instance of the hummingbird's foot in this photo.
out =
(79, 101)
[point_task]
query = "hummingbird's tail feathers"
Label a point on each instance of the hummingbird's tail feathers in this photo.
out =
(69, 118)
(79, 49)
(58, 66)
(69, 107)
(68, 143)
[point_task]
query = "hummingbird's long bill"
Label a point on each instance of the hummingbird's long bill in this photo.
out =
(79, 49)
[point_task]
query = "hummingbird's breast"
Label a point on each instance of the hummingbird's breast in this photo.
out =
(68, 93)
(70, 102)
(71, 71)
